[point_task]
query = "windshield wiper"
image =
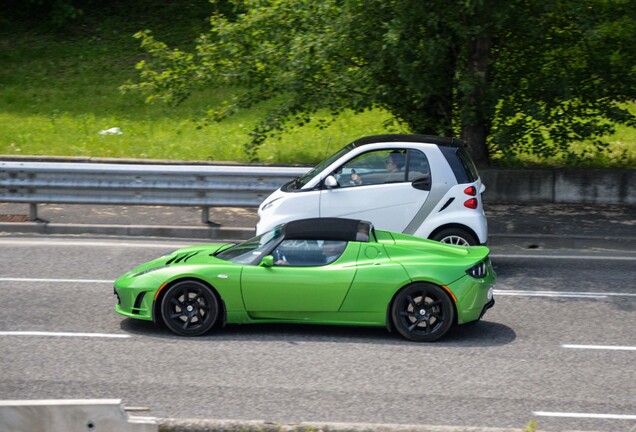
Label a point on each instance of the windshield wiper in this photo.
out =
(293, 184)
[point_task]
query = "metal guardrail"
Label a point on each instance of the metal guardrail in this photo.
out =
(90, 415)
(208, 186)
(132, 184)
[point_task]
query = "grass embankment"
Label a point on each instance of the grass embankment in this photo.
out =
(59, 90)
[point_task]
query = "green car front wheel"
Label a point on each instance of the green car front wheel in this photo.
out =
(189, 308)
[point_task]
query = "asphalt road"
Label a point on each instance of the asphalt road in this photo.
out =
(559, 347)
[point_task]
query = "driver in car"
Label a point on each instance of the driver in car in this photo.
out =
(393, 163)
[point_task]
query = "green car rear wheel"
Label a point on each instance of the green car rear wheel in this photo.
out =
(189, 308)
(422, 312)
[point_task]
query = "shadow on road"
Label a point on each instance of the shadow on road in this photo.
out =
(481, 334)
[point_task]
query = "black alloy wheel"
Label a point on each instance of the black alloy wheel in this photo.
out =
(422, 312)
(189, 308)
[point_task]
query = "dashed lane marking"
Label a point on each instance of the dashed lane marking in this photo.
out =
(568, 257)
(10, 279)
(600, 347)
(563, 294)
(63, 334)
(585, 415)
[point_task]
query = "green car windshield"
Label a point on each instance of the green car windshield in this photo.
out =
(303, 180)
(251, 251)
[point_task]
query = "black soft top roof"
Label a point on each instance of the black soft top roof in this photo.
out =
(428, 139)
(328, 229)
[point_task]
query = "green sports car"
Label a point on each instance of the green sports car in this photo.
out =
(318, 271)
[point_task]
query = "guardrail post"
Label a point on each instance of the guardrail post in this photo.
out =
(205, 217)
(33, 212)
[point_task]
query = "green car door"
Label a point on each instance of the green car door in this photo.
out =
(299, 285)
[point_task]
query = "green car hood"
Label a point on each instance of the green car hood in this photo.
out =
(194, 254)
(199, 254)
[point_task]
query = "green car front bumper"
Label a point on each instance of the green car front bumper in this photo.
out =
(134, 299)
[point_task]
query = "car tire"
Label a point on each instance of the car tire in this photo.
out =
(189, 308)
(422, 312)
(455, 236)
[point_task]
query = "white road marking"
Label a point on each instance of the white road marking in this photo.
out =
(102, 243)
(585, 415)
(63, 334)
(573, 257)
(601, 347)
(104, 281)
(564, 294)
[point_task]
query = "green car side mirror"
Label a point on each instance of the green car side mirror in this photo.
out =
(267, 261)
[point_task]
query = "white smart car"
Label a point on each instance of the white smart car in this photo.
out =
(426, 186)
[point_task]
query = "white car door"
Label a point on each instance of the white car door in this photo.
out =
(386, 187)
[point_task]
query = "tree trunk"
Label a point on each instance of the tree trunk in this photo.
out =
(475, 137)
(475, 106)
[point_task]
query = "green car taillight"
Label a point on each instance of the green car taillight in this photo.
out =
(479, 270)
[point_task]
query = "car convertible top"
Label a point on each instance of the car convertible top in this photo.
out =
(410, 138)
(329, 229)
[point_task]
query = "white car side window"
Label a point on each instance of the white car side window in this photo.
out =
(374, 167)
(418, 165)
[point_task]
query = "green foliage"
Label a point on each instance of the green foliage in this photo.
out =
(509, 76)
(54, 13)
(531, 427)
(564, 77)
(58, 89)
(332, 56)
(58, 92)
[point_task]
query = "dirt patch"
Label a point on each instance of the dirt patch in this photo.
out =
(13, 218)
